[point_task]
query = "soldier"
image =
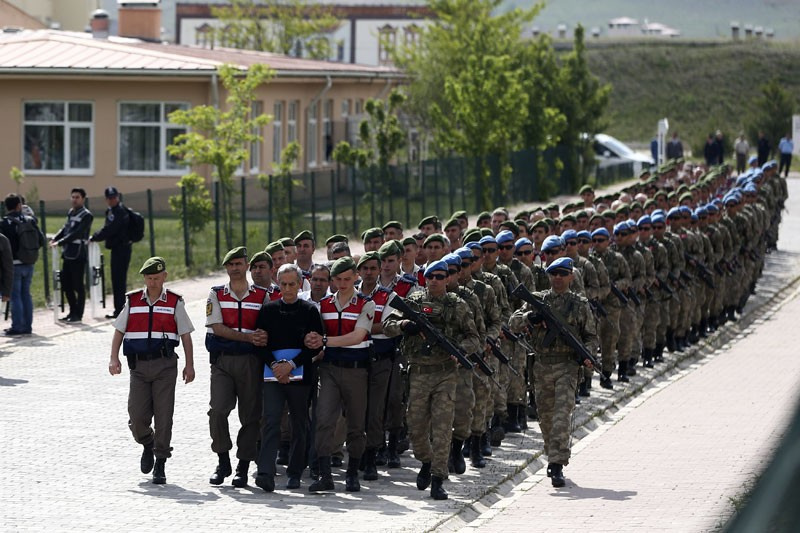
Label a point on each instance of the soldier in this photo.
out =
(372, 239)
(148, 328)
(432, 373)
(73, 238)
(306, 244)
(555, 371)
(392, 231)
(236, 370)
(115, 235)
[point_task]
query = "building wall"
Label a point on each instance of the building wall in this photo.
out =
(72, 15)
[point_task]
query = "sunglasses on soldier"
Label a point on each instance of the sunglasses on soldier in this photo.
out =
(506, 246)
(523, 252)
(560, 273)
(439, 277)
(599, 239)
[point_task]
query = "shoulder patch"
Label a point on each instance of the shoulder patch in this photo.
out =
(208, 307)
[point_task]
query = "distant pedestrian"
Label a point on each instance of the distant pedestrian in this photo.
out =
(116, 236)
(674, 147)
(719, 140)
(6, 269)
(742, 148)
(711, 151)
(764, 148)
(785, 147)
(73, 239)
(151, 324)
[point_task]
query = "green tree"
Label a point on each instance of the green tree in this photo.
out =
(276, 26)
(465, 86)
(282, 184)
(221, 138)
(17, 176)
(380, 136)
(773, 112)
(199, 207)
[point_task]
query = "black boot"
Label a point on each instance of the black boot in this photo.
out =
(159, 476)
(475, 456)
(622, 372)
(313, 470)
(497, 431)
(680, 343)
(703, 328)
(459, 466)
(223, 469)
(658, 355)
(437, 491)
(424, 476)
(382, 456)
(351, 483)
(370, 468)
(325, 481)
(605, 380)
(671, 346)
(485, 445)
(583, 390)
(522, 418)
(283, 453)
(555, 472)
(694, 334)
(512, 425)
(465, 451)
(240, 479)
(533, 413)
(147, 461)
(393, 456)
(630, 370)
(648, 357)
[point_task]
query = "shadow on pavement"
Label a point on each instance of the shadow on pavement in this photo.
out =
(175, 492)
(576, 492)
(11, 382)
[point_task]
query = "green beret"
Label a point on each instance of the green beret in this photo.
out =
(624, 209)
(541, 224)
(649, 202)
(644, 172)
(154, 265)
(371, 233)
(343, 264)
(473, 235)
(685, 196)
(522, 215)
(261, 256)
(336, 238)
(409, 240)
(568, 218)
(392, 224)
(610, 214)
(273, 247)
(236, 253)
(484, 215)
(551, 207)
(511, 226)
(390, 248)
(459, 214)
(520, 222)
(586, 188)
(660, 192)
(304, 235)
(581, 214)
(369, 256)
(596, 216)
(433, 219)
(487, 232)
(286, 241)
(435, 237)
(636, 205)
(452, 222)
(671, 195)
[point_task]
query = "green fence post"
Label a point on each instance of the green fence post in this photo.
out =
(313, 204)
(187, 254)
(150, 222)
(334, 184)
(244, 212)
(45, 255)
(216, 222)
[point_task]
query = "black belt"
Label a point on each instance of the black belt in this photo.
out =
(347, 364)
(150, 356)
(380, 356)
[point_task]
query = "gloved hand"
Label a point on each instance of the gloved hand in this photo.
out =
(535, 319)
(410, 327)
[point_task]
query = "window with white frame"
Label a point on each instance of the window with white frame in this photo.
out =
(144, 134)
(345, 107)
(256, 110)
(311, 145)
(327, 130)
(277, 131)
(58, 137)
(291, 122)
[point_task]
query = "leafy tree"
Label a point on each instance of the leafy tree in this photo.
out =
(773, 112)
(282, 183)
(17, 176)
(199, 207)
(221, 138)
(276, 26)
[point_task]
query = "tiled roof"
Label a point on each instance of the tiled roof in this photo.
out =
(71, 52)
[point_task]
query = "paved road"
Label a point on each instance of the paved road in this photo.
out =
(70, 462)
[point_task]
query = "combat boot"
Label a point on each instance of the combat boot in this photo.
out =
(630, 369)
(381, 457)
(283, 453)
(512, 424)
(159, 476)
(522, 418)
(370, 468)
(240, 479)
(658, 355)
(533, 413)
(475, 456)
(703, 329)
(605, 380)
(392, 455)
(424, 476)
(497, 432)
(694, 334)
(223, 469)
(622, 374)
(351, 483)
(437, 491)
(671, 346)
(485, 445)
(459, 465)
(147, 461)
(325, 481)
(583, 390)
(555, 472)
(648, 357)
(465, 451)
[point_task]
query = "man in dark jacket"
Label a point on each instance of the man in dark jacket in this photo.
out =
(763, 148)
(115, 234)
(6, 268)
(73, 238)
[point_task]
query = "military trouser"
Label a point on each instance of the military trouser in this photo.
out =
(395, 404)
(636, 344)
(663, 321)
(627, 331)
(687, 309)
(341, 389)
(555, 401)
(650, 323)
(236, 378)
(609, 335)
(699, 301)
(500, 394)
(380, 372)
(431, 402)
(482, 410)
(675, 309)
(516, 384)
(152, 395)
(465, 404)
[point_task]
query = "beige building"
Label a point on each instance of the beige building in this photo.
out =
(71, 15)
(90, 112)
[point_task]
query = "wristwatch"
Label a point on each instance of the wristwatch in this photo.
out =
(324, 341)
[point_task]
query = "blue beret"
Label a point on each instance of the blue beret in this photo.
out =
(644, 220)
(522, 242)
(487, 240)
(658, 212)
(504, 236)
(695, 217)
(603, 232)
(620, 227)
(553, 241)
(452, 259)
(757, 175)
(731, 199)
(436, 265)
(658, 219)
(632, 224)
(750, 188)
(717, 201)
(464, 252)
(685, 209)
(701, 211)
(569, 234)
(562, 263)
(753, 159)
(712, 208)
(473, 245)
(583, 234)
(769, 164)
(674, 212)
(741, 180)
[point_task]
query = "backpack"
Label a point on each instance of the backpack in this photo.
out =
(135, 225)
(29, 240)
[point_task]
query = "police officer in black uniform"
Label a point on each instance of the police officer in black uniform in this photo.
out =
(73, 237)
(115, 234)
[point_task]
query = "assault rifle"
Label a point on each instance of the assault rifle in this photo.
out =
(632, 296)
(513, 337)
(556, 326)
(497, 352)
(678, 281)
(664, 286)
(597, 308)
(477, 358)
(619, 294)
(705, 273)
(432, 335)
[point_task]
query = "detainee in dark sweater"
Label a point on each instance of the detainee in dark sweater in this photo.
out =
(289, 374)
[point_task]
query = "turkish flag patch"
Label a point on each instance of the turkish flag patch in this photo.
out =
(427, 310)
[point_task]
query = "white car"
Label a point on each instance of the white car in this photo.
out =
(611, 152)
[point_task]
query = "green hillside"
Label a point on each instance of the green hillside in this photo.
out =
(698, 86)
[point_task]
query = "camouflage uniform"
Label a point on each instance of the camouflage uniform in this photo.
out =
(629, 325)
(465, 395)
(609, 327)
